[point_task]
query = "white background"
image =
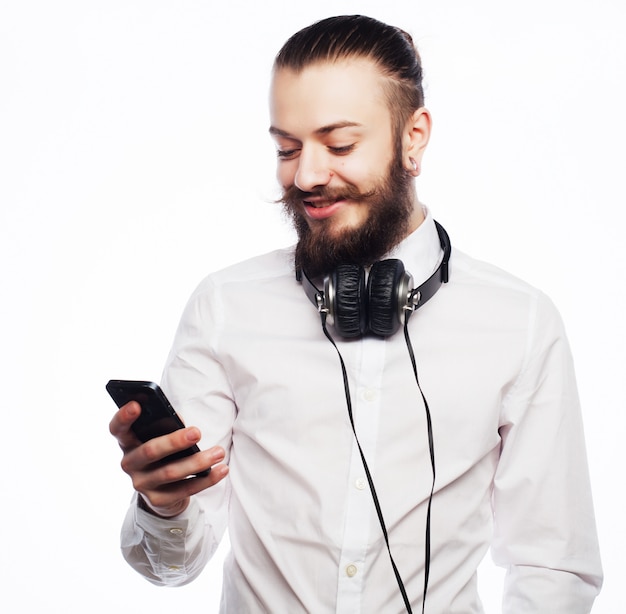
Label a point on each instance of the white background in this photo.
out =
(134, 159)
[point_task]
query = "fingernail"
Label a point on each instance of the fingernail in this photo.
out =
(221, 470)
(217, 455)
(193, 435)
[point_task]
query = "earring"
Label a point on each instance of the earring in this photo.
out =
(415, 165)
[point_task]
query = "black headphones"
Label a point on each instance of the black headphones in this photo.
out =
(356, 303)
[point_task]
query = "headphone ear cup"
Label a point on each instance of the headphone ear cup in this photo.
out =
(382, 291)
(349, 308)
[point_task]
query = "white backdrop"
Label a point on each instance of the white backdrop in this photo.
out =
(134, 159)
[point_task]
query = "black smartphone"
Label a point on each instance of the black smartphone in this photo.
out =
(157, 415)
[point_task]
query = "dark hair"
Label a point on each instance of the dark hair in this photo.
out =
(350, 36)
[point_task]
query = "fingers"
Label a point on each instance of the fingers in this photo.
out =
(171, 498)
(150, 461)
(121, 422)
(145, 456)
(165, 486)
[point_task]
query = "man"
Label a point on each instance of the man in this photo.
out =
(358, 469)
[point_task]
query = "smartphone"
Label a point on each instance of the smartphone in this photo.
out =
(157, 415)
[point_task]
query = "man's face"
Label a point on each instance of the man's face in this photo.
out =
(341, 171)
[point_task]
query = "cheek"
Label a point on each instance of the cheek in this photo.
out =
(363, 168)
(285, 173)
(356, 173)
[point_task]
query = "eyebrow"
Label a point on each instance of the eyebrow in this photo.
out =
(320, 131)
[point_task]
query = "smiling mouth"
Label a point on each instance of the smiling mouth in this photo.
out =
(321, 203)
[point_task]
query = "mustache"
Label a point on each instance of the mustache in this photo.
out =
(294, 195)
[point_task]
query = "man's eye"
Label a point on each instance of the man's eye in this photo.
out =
(342, 150)
(286, 154)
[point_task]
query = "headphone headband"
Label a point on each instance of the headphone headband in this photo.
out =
(441, 276)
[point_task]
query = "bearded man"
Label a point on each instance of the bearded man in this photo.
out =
(356, 468)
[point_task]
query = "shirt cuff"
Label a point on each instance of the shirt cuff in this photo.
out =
(165, 540)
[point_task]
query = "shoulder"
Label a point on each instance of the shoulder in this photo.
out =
(272, 266)
(485, 288)
(240, 293)
(482, 279)
(470, 271)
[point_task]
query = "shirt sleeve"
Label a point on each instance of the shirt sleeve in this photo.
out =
(545, 534)
(174, 551)
(170, 551)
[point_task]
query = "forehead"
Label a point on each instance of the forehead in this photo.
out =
(325, 93)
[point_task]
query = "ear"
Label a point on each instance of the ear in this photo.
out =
(415, 139)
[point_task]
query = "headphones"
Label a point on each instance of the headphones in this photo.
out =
(357, 303)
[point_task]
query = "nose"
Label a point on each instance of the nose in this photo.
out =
(313, 170)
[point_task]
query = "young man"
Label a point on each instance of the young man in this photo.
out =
(347, 482)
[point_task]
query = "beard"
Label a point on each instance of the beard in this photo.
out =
(390, 206)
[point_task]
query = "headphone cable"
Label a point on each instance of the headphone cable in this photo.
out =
(431, 449)
(367, 471)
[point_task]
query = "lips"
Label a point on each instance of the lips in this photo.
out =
(319, 201)
(318, 209)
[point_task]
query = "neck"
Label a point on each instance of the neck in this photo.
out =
(417, 217)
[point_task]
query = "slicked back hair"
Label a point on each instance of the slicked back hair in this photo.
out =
(355, 36)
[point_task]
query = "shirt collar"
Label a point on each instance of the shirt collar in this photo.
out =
(421, 251)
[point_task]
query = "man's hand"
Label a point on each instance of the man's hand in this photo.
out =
(165, 489)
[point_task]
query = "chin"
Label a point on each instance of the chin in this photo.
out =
(336, 226)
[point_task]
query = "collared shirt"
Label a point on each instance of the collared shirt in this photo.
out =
(251, 367)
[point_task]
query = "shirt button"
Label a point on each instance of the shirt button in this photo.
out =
(369, 394)
(176, 532)
(351, 571)
(360, 483)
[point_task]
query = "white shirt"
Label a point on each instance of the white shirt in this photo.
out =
(251, 367)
